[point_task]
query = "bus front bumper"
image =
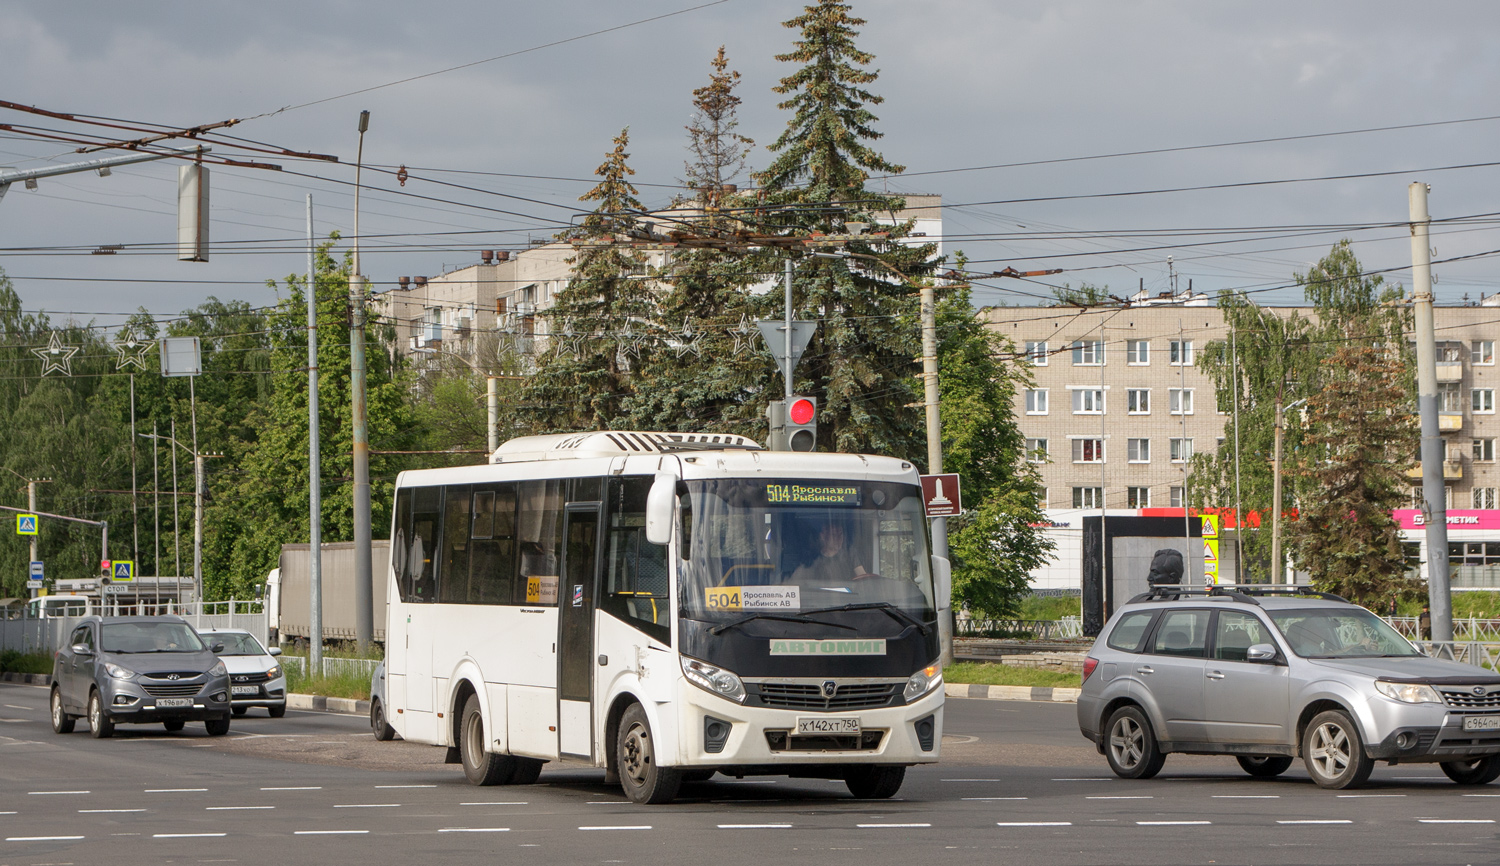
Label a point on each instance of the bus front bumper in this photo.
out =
(717, 732)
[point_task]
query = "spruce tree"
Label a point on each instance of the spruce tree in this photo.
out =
(598, 325)
(718, 150)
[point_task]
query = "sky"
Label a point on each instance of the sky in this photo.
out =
(992, 87)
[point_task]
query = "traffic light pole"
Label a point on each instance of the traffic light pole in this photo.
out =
(928, 303)
(364, 614)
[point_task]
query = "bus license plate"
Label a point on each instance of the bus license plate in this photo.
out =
(173, 703)
(1482, 723)
(827, 726)
(246, 690)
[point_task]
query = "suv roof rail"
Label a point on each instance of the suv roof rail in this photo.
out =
(1241, 592)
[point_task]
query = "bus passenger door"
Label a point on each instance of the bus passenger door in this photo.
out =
(575, 640)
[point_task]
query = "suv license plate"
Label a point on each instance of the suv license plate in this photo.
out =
(246, 690)
(1482, 723)
(827, 726)
(173, 703)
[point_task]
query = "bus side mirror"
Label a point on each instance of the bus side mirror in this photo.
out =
(661, 509)
(942, 582)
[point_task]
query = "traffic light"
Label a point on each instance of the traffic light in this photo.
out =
(776, 425)
(802, 424)
(106, 570)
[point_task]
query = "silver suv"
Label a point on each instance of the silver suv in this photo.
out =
(1267, 673)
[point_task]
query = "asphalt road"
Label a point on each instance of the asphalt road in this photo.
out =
(1017, 785)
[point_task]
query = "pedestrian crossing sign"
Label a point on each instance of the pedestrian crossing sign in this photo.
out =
(26, 524)
(124, 570)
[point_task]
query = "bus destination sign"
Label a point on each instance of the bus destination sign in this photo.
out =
(812, 494)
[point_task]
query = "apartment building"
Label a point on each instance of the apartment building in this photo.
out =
(1119, 405)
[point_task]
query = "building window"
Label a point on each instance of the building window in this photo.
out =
(1175, 496)
(1138, 401)
(1484, 450)
(1042, 501)
(1036, 450)
(1180, 401)
(1138, 497)
(1416, 498)
(1181, 449)
(1087, 497)
(1484, 497)
(1482, 401)
(1180, 352)
(1036, 401)
(1137, 352)
(1088, 353)
(1138, 450)
(1036, 353)
(1450, 399)
(1482, 352)
(1088, 450)
(1088, 401)
(1449, 353)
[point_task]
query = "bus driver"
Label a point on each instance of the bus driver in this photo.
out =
(835, 562)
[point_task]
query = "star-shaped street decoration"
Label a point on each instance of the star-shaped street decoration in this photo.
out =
(742, 335)
(131, 350)
(56, 356)
(687, 339)
(627, 341)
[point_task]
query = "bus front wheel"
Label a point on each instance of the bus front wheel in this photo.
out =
(874, 783)
(643, 779)
(481, 767)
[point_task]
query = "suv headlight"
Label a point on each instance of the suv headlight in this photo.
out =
(1409, 693)
(118, 672)
(922, 682)
(218, 670)
(274, 672)
(714, 679)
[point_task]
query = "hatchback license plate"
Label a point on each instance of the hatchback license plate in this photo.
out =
(827, 726)
(173, 703)
(247, 690)
(1482, 723)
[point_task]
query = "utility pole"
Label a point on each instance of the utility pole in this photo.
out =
(364, 615)
(1278, 569)
(492, 411)
(1239, 510)
(198, 526)
(787, 346)
(314, 461)
(928, 304)
(1435, 499)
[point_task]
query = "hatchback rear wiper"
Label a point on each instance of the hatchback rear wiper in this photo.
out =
(884, 606)
(722, 627)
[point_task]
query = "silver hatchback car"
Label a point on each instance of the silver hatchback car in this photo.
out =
(1267, 673)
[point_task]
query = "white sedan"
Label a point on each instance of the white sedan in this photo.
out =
(255, 676)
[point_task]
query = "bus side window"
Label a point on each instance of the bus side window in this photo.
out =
(400, 544)
(422, 557)
(453, 576)
(539, 517)
(635, 583)
(492, 549)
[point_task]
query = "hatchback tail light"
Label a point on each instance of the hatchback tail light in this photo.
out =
(1089, 664)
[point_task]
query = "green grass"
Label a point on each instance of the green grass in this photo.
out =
(27, 663)
(1482, 605)
(1049, 607)
(990, 674)
(343, 684)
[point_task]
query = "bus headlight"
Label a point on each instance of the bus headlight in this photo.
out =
(922, 682)
(118, 672)
(714, 679)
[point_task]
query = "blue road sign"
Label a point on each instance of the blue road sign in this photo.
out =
(124, 570)
(26, 524)
(36, 569)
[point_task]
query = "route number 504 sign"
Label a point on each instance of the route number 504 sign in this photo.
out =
(734, 598)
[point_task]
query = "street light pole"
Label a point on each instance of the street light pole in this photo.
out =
(1277, 569)
(928, 303)
(363, 567)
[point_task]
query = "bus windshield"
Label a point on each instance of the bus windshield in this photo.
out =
(794, 548)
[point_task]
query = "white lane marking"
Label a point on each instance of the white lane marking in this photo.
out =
(1317, 821)
(105, 811)
(1422, 778)
(515, 803)
(368, 806)
(329, 832)
(619, 827)
(1455, 820)
(606, 802)
(971, 780)
(406, 786)
(1246, 796)
(308, 788)
(185, 835)
(996, 798)
(1171, 823)
(1100, 779)
(755, 826)
(234, 808)
(474, 829)
(751, 781)
(174, 790)
(1357, 796)
(14, 707)
(7, 813)
(41, 838)
(1131, 797)
(1482, 795)
(46, 793)
(1033, 823)
(888, 826)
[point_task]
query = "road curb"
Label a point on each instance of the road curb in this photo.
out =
(1011, 693)
(323, 704)
(26, 679)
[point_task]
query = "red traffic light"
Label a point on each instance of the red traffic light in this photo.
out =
(802, 411)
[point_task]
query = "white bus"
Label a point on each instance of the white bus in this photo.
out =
(666, 606)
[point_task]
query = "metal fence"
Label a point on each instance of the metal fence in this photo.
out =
(1484, 655)
(46, 635)
(1067, 628)
(334, 666)
(1466, 629)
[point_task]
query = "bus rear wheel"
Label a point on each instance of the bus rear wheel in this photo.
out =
(480, 767)
(644, 781)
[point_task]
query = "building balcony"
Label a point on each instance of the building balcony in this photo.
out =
(1448, 371)
(1450, 422)
(1453, 470)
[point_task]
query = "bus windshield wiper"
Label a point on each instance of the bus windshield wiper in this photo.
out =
(884, 606)
(725, 626)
